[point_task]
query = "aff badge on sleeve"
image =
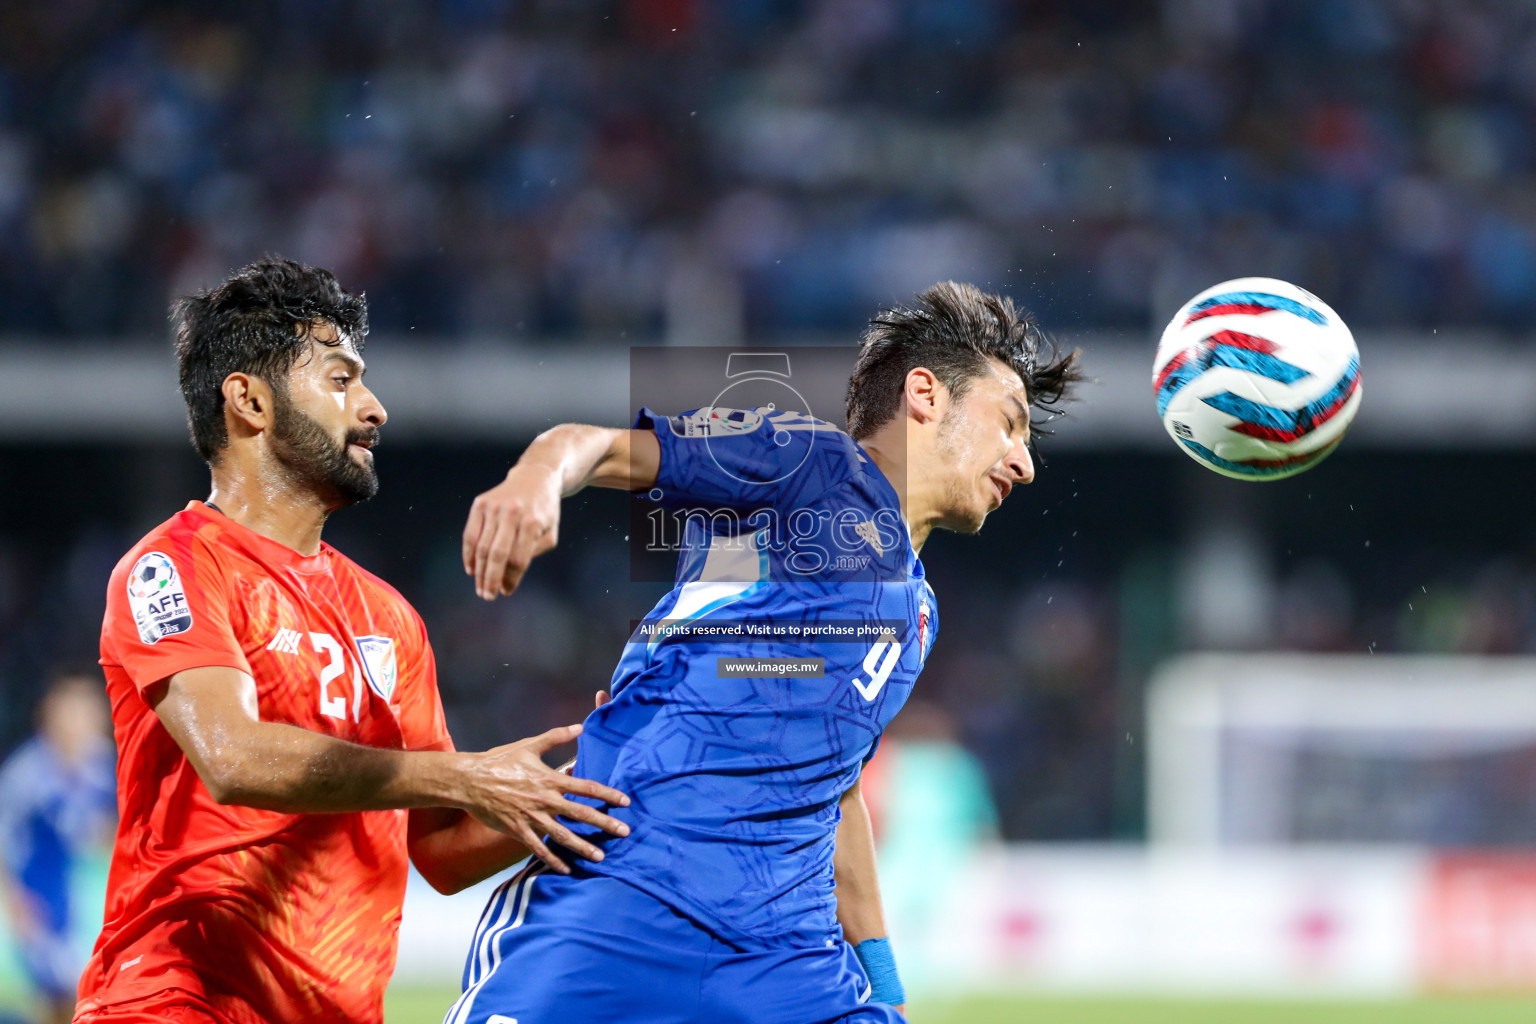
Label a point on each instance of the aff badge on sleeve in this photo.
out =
(378, 663)
(157, 598)
(712, 421)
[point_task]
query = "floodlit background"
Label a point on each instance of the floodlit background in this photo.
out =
(1182, 737)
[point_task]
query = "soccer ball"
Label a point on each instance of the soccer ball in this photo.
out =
(153, 573)
(1257, 379)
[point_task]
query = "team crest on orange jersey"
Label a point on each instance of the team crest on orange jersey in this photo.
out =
(378, 656)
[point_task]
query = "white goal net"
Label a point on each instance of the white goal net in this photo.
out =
(1281, 749)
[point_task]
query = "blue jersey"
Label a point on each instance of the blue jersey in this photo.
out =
(49, 812)
(794, 548)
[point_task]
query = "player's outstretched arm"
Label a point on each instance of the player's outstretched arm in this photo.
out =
(519, 519)
(212, 715)
(859, 910)
(453, 851)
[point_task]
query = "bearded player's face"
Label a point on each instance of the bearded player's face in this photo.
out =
(326, 421)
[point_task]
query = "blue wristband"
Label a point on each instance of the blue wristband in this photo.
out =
(880, 964)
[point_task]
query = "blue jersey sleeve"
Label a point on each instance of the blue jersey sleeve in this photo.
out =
(745, 458)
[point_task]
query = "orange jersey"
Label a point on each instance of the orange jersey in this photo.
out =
(255, 916)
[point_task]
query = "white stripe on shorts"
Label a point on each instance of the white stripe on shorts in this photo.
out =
(488, 952)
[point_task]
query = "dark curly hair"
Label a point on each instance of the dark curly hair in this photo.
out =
(250, 324)
(953, 331)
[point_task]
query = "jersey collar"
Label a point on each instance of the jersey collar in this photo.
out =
(270, 550)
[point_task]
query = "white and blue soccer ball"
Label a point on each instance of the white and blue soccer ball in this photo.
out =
(1257, 379)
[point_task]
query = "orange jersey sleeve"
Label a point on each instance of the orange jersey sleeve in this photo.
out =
(421, 706)
(168, 610)
(418, 705)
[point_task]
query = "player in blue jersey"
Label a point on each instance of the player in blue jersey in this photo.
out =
(745, 707)
(57, 800)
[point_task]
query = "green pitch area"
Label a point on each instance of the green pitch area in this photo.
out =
(419, 1006)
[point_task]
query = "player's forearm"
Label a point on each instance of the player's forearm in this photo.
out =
(858, 901)
(572, 451)
(285, 768)
(859, 909)
(519, 519)
(212, 714)
(454, 851)
(581, 455)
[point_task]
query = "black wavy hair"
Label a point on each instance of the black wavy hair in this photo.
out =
(252, 324)
(954, 330)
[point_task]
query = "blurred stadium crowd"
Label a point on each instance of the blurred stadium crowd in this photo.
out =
(707, 170)
(560, 167)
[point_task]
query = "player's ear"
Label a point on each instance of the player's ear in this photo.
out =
(925, 395)
(247, 402)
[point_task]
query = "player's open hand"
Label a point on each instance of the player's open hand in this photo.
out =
(515, 792)
(509, 526)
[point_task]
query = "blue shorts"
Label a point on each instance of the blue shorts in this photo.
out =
(551, 949)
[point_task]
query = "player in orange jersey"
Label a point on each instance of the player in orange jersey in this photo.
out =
(282, 749)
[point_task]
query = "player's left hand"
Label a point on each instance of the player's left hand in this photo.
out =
(509, 526)
(511, 790)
